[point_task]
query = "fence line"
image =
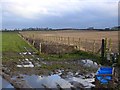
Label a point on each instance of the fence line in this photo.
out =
(87, 45)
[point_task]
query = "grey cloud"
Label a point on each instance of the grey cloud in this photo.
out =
(84, 16)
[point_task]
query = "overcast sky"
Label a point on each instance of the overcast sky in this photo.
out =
(59, 13)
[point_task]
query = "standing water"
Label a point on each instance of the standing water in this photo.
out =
(48, 82)
(5, 84)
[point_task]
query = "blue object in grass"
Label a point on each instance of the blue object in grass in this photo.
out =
(104, 79)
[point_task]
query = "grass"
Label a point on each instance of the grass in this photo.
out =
(71, 56)
(0, 41)
(12, 45)
(11, 42)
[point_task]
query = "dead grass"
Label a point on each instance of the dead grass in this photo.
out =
(89, 35)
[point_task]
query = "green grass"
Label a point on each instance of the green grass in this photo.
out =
(72, 56)
(0, 41)
(11, 42)
(12, 45)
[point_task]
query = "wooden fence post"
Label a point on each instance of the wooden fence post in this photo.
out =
(55, 38)
(110, 45)
(106, 48)
(79, 43)
(33, 36)
(61, 39)
(50, 38)
(65, 39)
(94, 46)
(47, 38)
(33, 42)
(86, 45)
(73, 41)
(68, 41)
(40, 48)
(103, 51)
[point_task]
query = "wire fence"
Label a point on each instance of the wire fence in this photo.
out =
(93, 46)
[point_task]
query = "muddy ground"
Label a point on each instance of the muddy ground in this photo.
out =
(41, 66)
(31, 64)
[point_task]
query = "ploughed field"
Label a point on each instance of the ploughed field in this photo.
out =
(87, 38)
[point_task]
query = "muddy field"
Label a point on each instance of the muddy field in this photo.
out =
(20, 62)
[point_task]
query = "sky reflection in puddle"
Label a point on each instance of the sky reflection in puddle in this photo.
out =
(5, 84)
(49, 81)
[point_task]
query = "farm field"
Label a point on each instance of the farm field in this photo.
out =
(22, 60)
(16, 50)
(13, 44)
(90, 36)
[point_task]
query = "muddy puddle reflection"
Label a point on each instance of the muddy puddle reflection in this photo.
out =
(53, 81)
(5, 84)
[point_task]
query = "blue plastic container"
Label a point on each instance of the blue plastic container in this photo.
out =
(104, 71)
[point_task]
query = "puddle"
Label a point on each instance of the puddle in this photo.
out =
(86, 83)
(47, 81)
(55, 81)
(89, 63)
(5, 84)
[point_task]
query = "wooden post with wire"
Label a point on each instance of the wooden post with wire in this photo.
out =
(61, 39)
(110, 45)
(106, 46)
(94, 43)
(33, 42)
(40, 48)
(86, 45)
(68, 41)
(73, 40)
(79, 43)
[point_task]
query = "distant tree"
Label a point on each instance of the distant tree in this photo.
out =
(107, 28)
(90, 28)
